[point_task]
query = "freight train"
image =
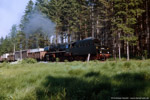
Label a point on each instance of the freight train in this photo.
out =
(79, 50)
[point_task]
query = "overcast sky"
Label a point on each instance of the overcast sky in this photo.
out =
(11, 12)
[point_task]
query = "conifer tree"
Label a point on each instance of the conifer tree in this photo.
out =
(25, 19)
(20, 40)
(53, 9)
(26, 16)
(147, 10)
(13, 33)
(125, 13)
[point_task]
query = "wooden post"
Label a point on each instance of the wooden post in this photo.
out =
(119, 46)
(128, 54)
(88, 58)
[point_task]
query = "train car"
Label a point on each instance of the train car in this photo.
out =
(30, 55)
(0, 59)
(17, 55)
(23, 54)
(37, 54)
(4, 57)
(11, 57)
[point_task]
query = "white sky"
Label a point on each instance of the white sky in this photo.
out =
(11, 12)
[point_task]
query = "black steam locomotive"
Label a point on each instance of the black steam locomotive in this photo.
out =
(78, 50)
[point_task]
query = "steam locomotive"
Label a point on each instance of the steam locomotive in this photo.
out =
(78, 50)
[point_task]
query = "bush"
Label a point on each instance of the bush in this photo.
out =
(29, 61)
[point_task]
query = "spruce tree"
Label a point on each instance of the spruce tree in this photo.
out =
(12, 35)
(124, 19)
(26, 16)
(53, 9)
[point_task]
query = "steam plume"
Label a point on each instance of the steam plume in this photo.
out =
(39, 22)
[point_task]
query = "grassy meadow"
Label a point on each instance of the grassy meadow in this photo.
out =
(95, 80)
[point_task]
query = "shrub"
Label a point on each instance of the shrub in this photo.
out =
(29, 61)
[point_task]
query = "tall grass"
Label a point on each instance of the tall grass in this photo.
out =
(92, 80)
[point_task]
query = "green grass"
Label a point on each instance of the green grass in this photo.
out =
(75, 80)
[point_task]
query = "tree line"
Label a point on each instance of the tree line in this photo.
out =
(121, 25)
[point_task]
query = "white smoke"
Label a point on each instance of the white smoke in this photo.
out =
(38, 22)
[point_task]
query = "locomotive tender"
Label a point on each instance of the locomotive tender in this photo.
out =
(78, 50)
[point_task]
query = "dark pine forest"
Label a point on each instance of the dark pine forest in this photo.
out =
(121, 25)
